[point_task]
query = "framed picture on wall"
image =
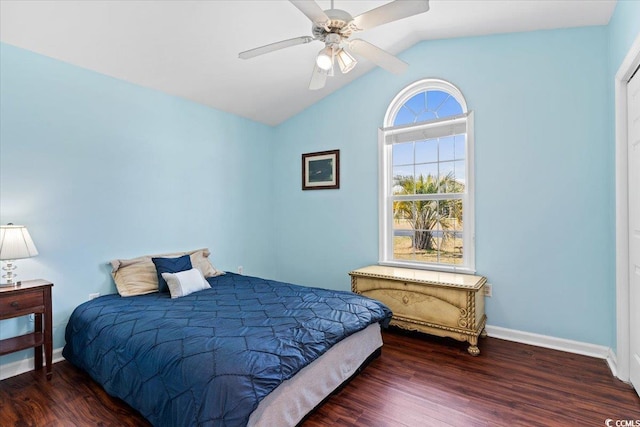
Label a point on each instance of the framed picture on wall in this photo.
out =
(321, 170)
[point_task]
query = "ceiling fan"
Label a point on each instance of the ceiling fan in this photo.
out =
(334, 28)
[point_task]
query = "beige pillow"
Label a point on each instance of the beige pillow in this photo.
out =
(138, 276)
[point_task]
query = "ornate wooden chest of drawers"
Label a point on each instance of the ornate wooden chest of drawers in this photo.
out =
(442, 304)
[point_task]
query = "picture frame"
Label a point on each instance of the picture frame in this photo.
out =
(321, 170)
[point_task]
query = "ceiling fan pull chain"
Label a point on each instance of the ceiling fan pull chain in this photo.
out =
(333, 58)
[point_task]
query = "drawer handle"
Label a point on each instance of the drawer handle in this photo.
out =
(15, 304)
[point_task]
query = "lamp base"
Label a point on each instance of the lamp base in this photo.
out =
(9, 267)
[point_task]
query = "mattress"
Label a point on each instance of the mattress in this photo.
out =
(288, 404)
(211, 357)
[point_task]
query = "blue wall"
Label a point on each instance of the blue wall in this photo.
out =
(543, 175)
(545, 199)
(624, 28)
(98, 169)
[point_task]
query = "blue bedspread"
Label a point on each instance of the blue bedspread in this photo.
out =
(207, 359)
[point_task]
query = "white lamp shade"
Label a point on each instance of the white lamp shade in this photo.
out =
(346, 61)
(16, 243)
(324, 60)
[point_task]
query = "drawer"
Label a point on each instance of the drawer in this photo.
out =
(452, 295)
(444, 305)
(13, 304)
(420, 306)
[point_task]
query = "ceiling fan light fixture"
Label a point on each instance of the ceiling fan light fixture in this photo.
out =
(324, 60)
(346, 61)
(334, 28)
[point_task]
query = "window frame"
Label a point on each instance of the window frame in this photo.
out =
(385, 174)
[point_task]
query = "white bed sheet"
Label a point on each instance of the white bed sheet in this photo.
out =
(297, 396)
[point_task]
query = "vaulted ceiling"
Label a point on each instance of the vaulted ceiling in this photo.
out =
(190, 48)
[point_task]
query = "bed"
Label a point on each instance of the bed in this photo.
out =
(247, 351)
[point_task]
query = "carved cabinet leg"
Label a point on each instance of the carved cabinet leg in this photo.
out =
(473, 346)
(483, 334)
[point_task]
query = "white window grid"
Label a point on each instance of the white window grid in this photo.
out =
(439, 128)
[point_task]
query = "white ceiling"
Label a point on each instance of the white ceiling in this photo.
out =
(190, 48)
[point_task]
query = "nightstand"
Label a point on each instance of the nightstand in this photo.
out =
(27, 297)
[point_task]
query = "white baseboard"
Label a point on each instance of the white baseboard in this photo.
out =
(570, 346)
(612, 361)
(18, 367)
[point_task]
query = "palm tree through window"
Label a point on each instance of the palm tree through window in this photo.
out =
(426, 203)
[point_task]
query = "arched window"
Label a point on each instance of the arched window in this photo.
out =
(426, 177)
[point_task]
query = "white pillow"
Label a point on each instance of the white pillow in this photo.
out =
(185, 282)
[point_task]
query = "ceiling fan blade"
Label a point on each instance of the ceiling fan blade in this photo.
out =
(390, 12)
(378, 56)
(318, 78)
(274, 46)
(311, 9)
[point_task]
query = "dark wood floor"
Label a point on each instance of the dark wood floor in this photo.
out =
(417, 381)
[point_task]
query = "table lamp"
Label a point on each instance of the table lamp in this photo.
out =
(15, 243)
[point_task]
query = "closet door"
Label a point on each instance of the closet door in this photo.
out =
(633, 150)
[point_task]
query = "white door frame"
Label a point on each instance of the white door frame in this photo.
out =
(629, 65)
